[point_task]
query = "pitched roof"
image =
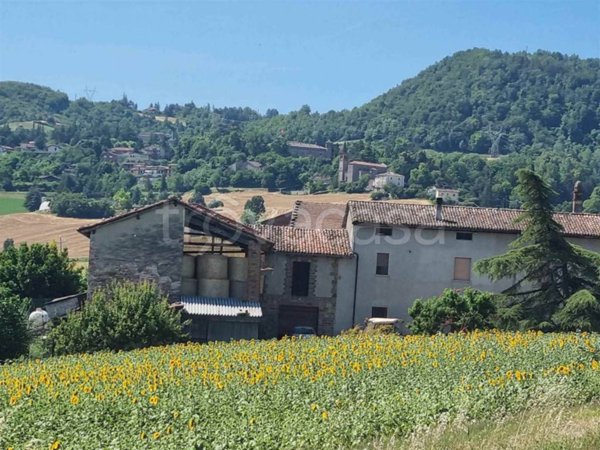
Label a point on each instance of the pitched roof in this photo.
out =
(305, 145)
(218, 306)
(303, 241)
(200, 210)
(493, 220)
(317, 215)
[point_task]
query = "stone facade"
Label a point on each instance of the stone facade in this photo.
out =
(145, 246)
(322, 291)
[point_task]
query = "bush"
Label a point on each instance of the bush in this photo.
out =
(215, 204)
(121, 316)
(378, 195)
(14, 334)
(80, 206)
(453, 311)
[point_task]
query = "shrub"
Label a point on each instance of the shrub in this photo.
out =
(453, 311)
(215, 204)
(121, 316)
(378, 195)
(14, 335)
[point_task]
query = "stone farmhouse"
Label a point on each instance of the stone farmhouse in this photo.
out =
(328, 266)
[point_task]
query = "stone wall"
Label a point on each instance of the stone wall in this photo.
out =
(146, 246)
(322, 292)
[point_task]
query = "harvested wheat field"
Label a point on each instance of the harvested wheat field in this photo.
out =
(278, 203)
(36, 227)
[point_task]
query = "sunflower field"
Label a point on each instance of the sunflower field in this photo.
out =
(325, 393)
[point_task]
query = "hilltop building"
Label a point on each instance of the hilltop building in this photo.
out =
(350, 171)
(296, 148)
(387, 178)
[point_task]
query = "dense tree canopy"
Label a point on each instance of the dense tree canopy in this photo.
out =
(467, 122)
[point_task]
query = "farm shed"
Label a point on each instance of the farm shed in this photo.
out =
(190, 252)
(221, 319)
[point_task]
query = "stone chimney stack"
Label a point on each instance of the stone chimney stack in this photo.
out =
(438, 208)
(578, 197)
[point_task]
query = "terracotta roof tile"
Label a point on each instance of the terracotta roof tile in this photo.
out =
(316, 215)
(303, 241)
(497, 220)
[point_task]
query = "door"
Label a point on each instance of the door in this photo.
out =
(297, 316)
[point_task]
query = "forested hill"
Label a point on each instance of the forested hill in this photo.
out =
(540, 110)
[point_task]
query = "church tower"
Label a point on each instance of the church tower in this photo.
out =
(343, 165)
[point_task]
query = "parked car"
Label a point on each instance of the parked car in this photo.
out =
(382, 324)
(304, 332)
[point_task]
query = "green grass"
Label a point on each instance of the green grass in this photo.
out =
(12, 202)
(554, 428)
(29, 125)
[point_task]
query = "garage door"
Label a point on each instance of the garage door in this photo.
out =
(296, 316)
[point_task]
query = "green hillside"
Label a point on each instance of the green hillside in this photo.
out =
(539, 110)
(26, 102)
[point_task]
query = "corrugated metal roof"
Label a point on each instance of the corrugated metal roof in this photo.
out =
(218, 306)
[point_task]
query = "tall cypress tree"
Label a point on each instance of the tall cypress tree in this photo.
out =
(547, 268)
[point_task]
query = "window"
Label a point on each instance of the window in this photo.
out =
(379, 311)
(383, 262)
(462, 269)
(300, 278)
(462, 236)
(383, 231)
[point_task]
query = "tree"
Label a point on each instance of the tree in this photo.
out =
(136, 196)
(248, 217)
(256, 205)
(14, 334)
(197, 198)
(581, 312)
(453, 311)
(39, 272)
(592, 204)
(202, 188)
(548, 269)
(121, 316)
(33, 199)
(123, 199)
(78, 205)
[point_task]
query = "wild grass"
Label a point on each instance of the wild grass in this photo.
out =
(12, 202)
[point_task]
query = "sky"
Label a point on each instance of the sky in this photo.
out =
(269, 54)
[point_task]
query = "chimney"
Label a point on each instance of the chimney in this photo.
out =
(577, 197)
(438, 208)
